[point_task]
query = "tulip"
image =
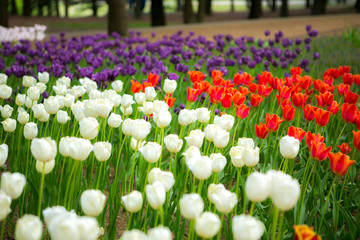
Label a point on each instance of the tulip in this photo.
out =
(33, 93)
(126, 111)
(5, 202)
(297, 133)
(261, 130)
(114, 120)
(255, 100)
(223, 199)
(4, 152)
(43, 77)
(247, 228)
(159, 233)
(349, 112)
(218, 162)
(89, 128)
(299, 99)
(191, 205)
(203, 115)
(60, 89)
(103, 107)
(195, 138)
(28, 81)
(201, 167)
(140, 129)
(140, 98)
(210, 131)
(309, 112)
(344, 148)
(221, 138)
(43, 149)
(207, 225)
(242, 111)
(92, 202)
(102, 151)
(49, 166)
(20, 99)
(192, 94)
(356, 142)
(304, 232)
(13, 184)
(319, 151)
(62, 117)
(246, 142)
(117, 86)
(312, 137)
(30, 130)
(151, 152)
(257, 187)
(236, 154)
(5, 91)
(23, 117)
(28, 227)
(45, 117)
(133, 201)
(169, 86)
(135, 144)
(322, 117)
(3, 78)
(288, 112)
(150, 93)
(173, 143)
(6, 111)
(289, 147)
(114, 98)
(88, 228)
(273, 121)
(51, 105)
(127, 126)
(64, 227)
(9, 125)
(162, 119)
(155, 194)
(339, 163)
(133, 235)
(226, 121)
(78, 148)
(191, 152)
(187, 117)
(166, 178)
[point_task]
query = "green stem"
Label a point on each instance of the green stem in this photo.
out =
(162, 219)
(244, 204)
(221, 222)
(237, 187)
(252, 208)
(129, 221)
(274, 223)
(280, 225)
(61, 179)
(99, 176)
(326, 203)
(41, 189)
(132, 169)
(3, 228)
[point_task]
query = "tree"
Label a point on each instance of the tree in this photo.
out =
(319, 7)
(138, 9)
(284, 11)
(13, 8)
(66, 8)
(157, 13)
(232, 7)
(4, 13)
(255, 9)
(188, 12)
(201, 11)
(94, 8)
(26, 8)
(357, 6)
(208, 7)
(117, 17)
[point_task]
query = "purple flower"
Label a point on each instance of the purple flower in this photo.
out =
(173, 76)
(316, 55)
(217, 111)
(308, 28)
(182, 106)
(307, 41)
(267, 32)
(176, 111)
(45, 95)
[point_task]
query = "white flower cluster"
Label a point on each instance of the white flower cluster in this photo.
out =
(37, 32)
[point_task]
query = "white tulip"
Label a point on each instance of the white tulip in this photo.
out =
(88, 228)
(49, 166)
(127, 100)
(136, 144)
(43, 149)
(159, 233)
(191, 205)
(236, 154)
(28, 81)
(3, 78)
(187, 117)
(140, 98)
(64, 81)
(221, 138)
(127, 126)
(147, 108)
(203, 114)
(126, 111)
(23, 117)
(28, 227)
(155, 194)
(5, 91)
(133, 201)
(169, 86)
(257, 187)
(224, 200)
(9, 125)
(210, 131)
(247, 228)
(207, 225)
(246, 142)
(289, 147)
(218, 162)
(89, 128)
(68, 100)
(195, 138)
(226, 121)
(5, 202)
(166, 178)
(200, 167)
(13, 184)
(117, 85)
(92, 202)
(62, 117)
(191, 152)
(114, 120)
(150, 93)
(251, 156)
(33, 93)
(160, 106)
(20, 99)
(140, 129)
(30, 130)
(43, 77)
(4, 152)
(103, 107)
(6, 111)
(162, 119)
(102, 151)
(60, 89)
(134, 234)
(173, 143)
(151, 152)
(79, 148)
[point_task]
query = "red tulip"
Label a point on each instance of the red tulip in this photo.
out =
(303, 232)
(312, 137)
(309, 112)
(351, 97)
(356, 139)
(322, 117)
(238, 99)
(242, 111)
(344, 148)
(325, 99)
(349, 112)
(135, 86)
(153, 79)
(342, 89)
(339, 163)
(192, 94)
(319, 151)
(333, 108)
(264, 90)
(288, 112)
(348, 79)
(297, 133)
(299, 99)
(196, 76)
(255, 100)
(273, 121)
(243, 78)
(226, 100)
(261, 130)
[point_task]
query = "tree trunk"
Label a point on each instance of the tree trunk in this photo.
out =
(232, 7)
(14, 10)
(157, 13)
(4, 13)
(308, 5)
(49, 7)
(66, 8)
(284, 11)
(117, 17)
(40, 8)
(94, 8)
(357, 6)
(188, 12)
(273, 6)
(201, 11)
(26, 8)
(208, 7)
(255, 9)
(178, 5)
(323, 6)
(57, 8)
(138, 9)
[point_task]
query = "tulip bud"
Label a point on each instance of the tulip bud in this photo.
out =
(51, 105)
(20, 99)
(5, 91)
(147, 108)
(89, 128)
(92, 202)
(191, 205)
(33, 93)
(28, 227)
(207, 225)
(236, 154)
(203, 115)
(114, 120)
(4, 152)
(221, 138)
(140, 98)
(5, 202)
(223, 199)
(187, 117)
(127, 100)
(41, 86)
(133, 201)
(247, 228)
(6, 111)
(134, 234)
(218, 162)
(30, 130)
(210, 132)
(160, 106)
(127, 126)
(9, 125)
(166, 178)
(103, 107)
(195, 138)
(3, 78)
(251, 156)
(79, 148)
(150, 93)
(117, 86)
(88, 228)
(60, 89)
(136, 144)
(29, 103)
(126, 111)
(289, 147)
(90, 108)
(200, 167)
(23, 117)
(257, 187)
(28, 81)
(159, 233)
(155, 194)
(246, 142)
(43, 149)
(226, 121)
(64, 227)
(140, 129)
(45, 117)
(62, 117)
(64, 81)
(102, 151)
(49, 166)
(13, 184)
(114, 98)
(68, 100)
(169, 86)
(162, 119)
(173, 143)
(43, 77)
(192, 152)
(151, 152)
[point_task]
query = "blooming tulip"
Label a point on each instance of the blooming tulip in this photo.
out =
(173, 143)
(226, 121)
(23, 116)
(257, 187)
(89, 128)
(133, 234)
(62, 117)
(4, 151)
(195, 138)
(304, 232)
(13, 184)
(92, 202)
(162, 119)
(102, 151)
(43, 149)
(247, 228)
(30, 130)
(200, 167)
(272, 122)
(150, 93)
(151, 152)
(5, 202)
(221, 138)
(114, 120)
(236, 154)
(51, 105)
(261, 130)
(297, 133)
(289, 147)
(155, 194)
(140, 98)
(9, 125)
(28, 227)
(159, 233)
(49, 166)
(166, 178)
(103, 107)
(6, 111)
(127, 126)
(339, 163)
(218, 162)
(126, 111)
(223, 199)
(246, 142)
(43, 77)
(88, 228)
(210, 131)
(78, 148)
(20, 99)
(203, 115)
(191, 152)
(135, 144)
(319, 151)
(191, 205)
(117, 85)
(28, 81)
(3, 78)
(133, 201)
(207, 225)
(5, 91)
(186, 117)
(169, 86)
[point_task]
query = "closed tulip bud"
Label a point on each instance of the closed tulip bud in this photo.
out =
(51, 213)
(213, 190)
(102, 151)
(20, 99)
(43, 149)
(134, 235)
(150, 93)
(224, 200)
(133, 201)
(169, 86)
(38, 110)
(64, 227)
(28, 227)
(127, 126)
(90, 108)
(207, 225)
(62, 117)
(68, 100)
(88, 228)
(191, 205)
(29, 103)
(9, 125)
(4, 152)
(136, 144)
(140, 98)
(257, 187)
(162, 119)
(236, 154)
(89, 128)
(41, 86)
(6, 111)
(251, 156)
(49, 166)
(103, 107)
(226, 121)
(117, 86)
(187, 117)
(5, 202)
(127, 100)
(218, 162)
(221, 138)
(45, 117)
(60, 89)
(210, 132)
(5, 91)
(173, 143)
(126, 111)
(140, 129)
(159, 233)
(200, 167)
(43, 77)
(151, 152)
(114, 120)
(147, 108)
(79, 148)
(203, 115)
(195, 138)
(155, 194)
(289, 147)
(247, 228)
(3, 78)
(246, 142)
(28, 81)
(166, 178)
(13, 184)
(191, 152)
(160, 106)
(92, 202)
(33, 93)
(30, 130)
(23, 117)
